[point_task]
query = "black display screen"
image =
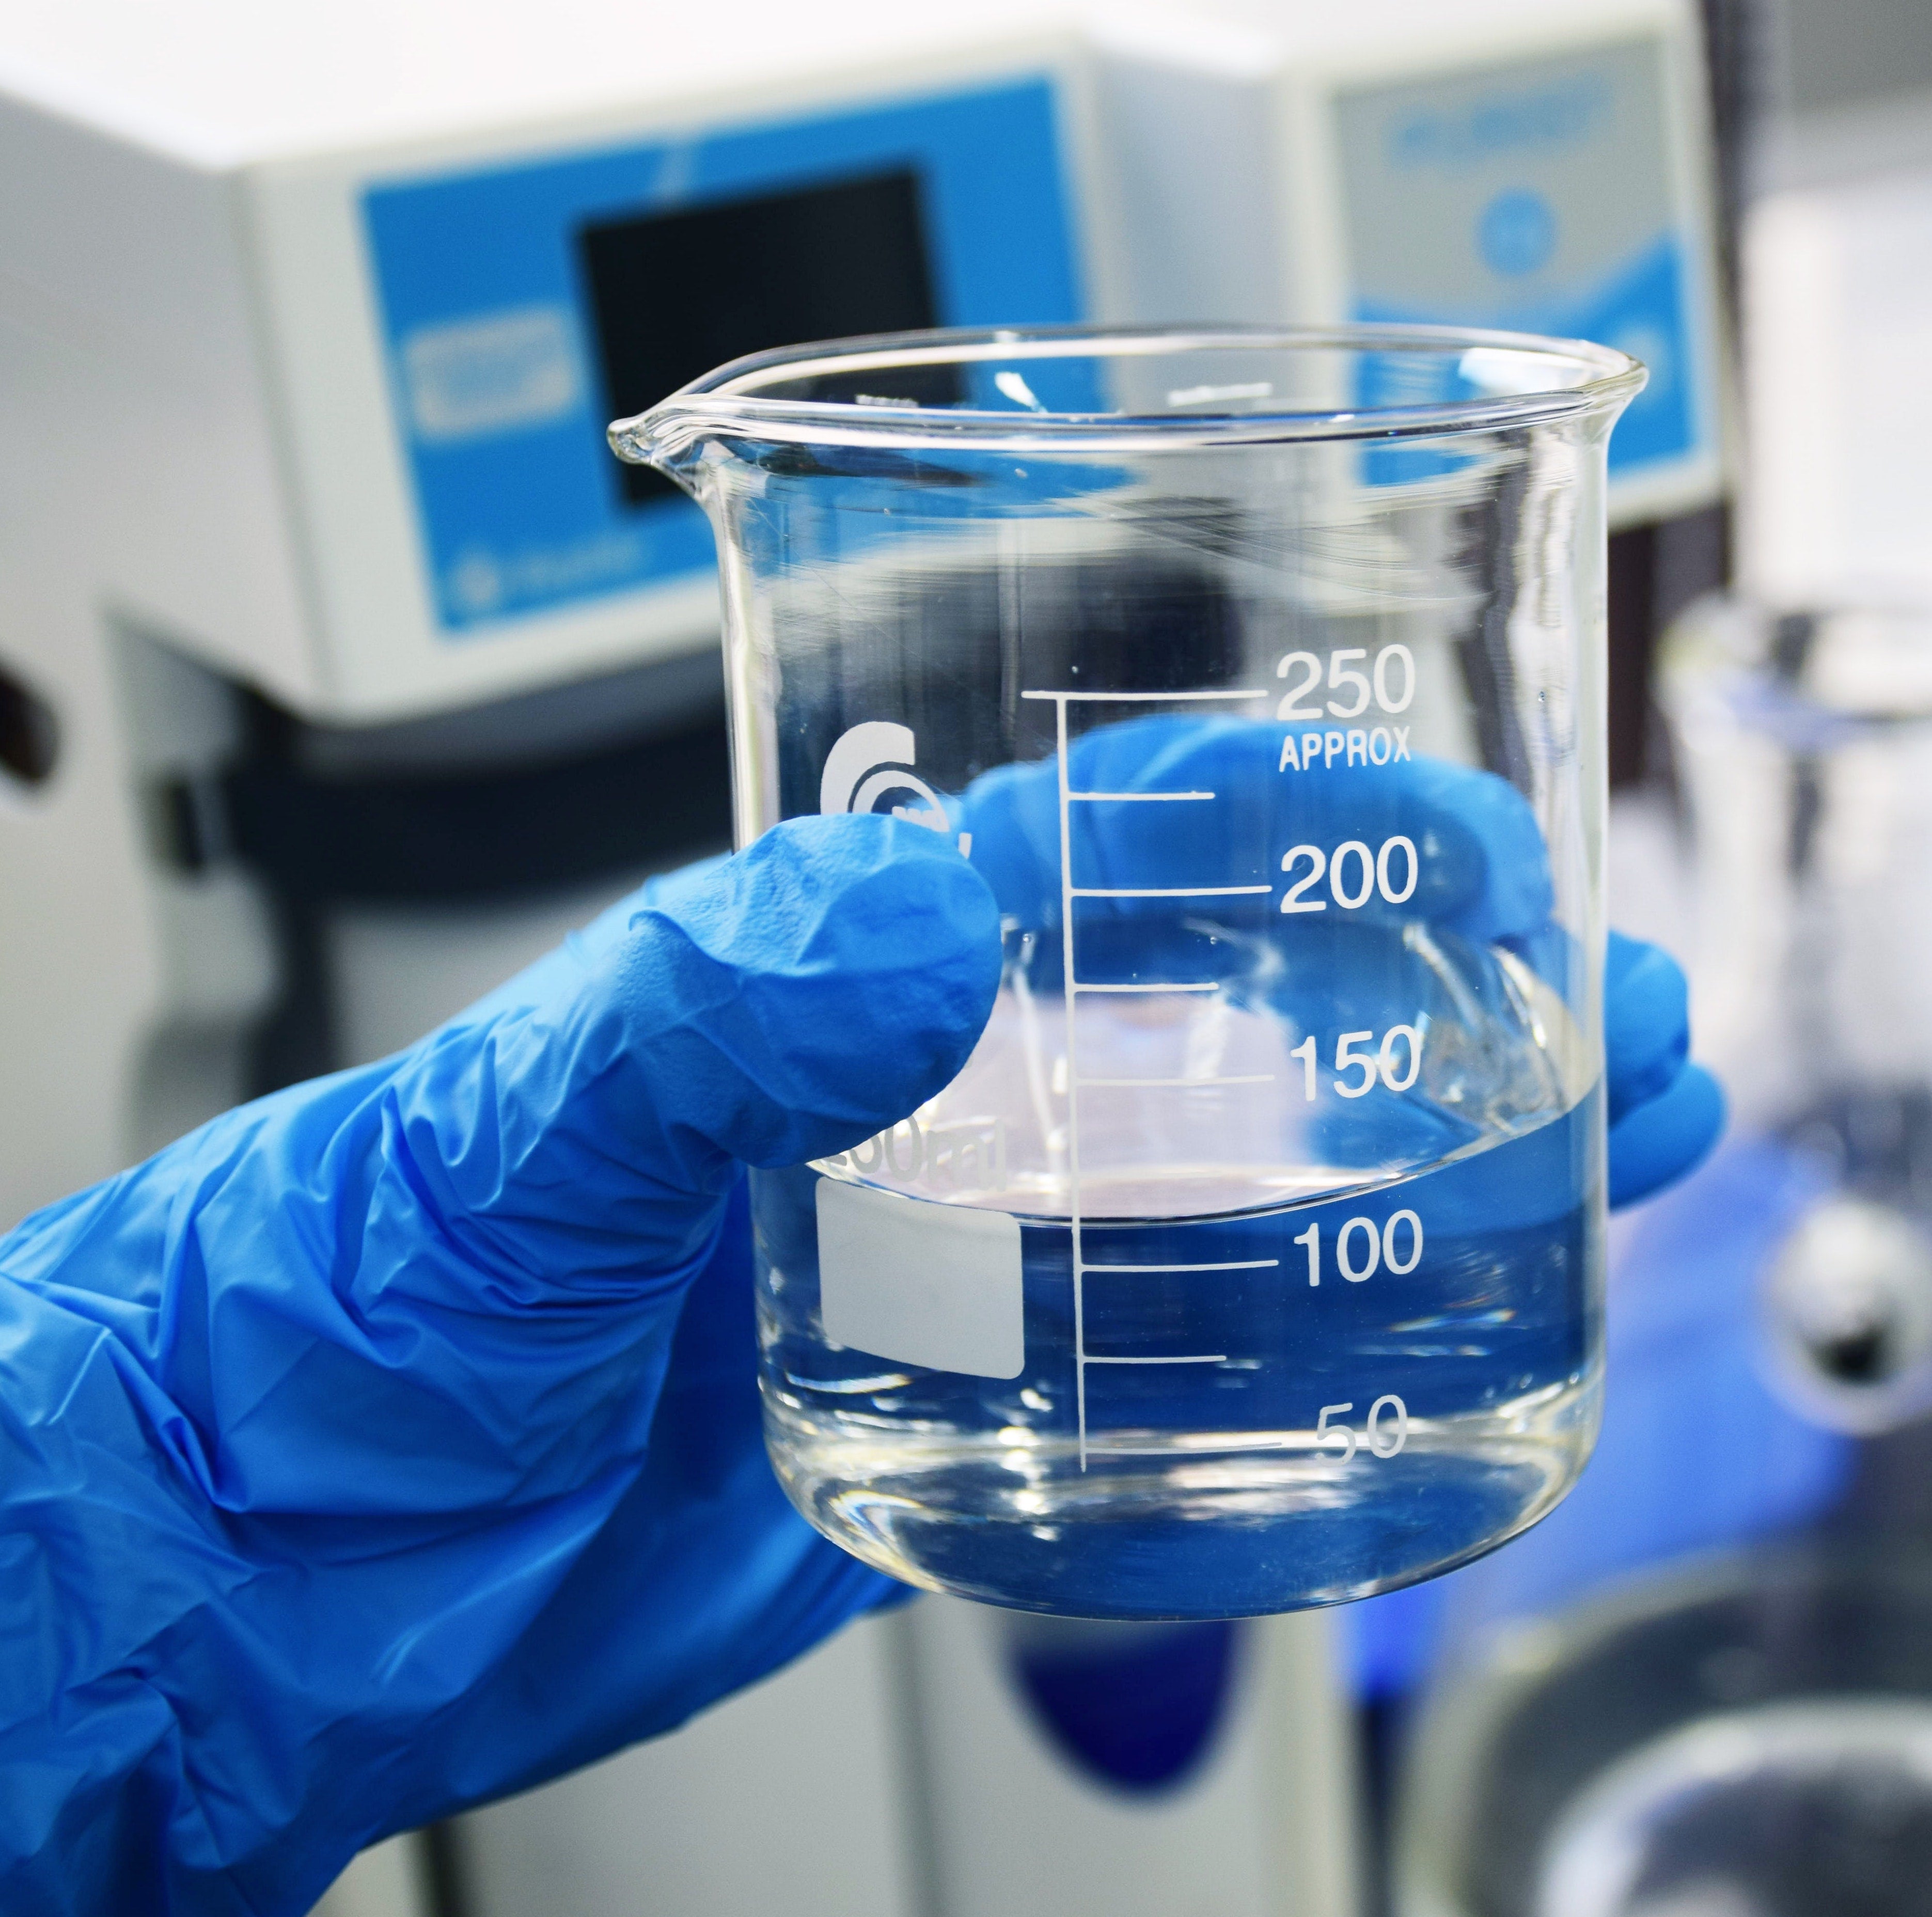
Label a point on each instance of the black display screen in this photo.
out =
(675, 294)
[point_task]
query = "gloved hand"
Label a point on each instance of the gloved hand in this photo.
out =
(392, 1444)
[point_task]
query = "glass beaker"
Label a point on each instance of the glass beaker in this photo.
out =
(1253, 1260)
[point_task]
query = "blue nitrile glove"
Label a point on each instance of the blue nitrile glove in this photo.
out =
(1665, 1113)
(393, 1443)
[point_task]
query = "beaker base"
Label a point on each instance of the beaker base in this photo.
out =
(1208, 1525)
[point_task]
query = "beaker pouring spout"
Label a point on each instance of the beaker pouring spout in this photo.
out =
(669, 439)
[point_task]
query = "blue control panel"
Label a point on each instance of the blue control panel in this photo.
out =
(524, 306)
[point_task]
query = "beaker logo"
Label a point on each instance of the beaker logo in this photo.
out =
(872, 762)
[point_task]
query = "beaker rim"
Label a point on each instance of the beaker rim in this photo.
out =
(1531, 379)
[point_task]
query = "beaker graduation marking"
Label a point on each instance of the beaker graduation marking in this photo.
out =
(1157, 985)
(1074, 986)
(1203, 1357)
(1165, 891)
(1136, 798)
(1231, 1264)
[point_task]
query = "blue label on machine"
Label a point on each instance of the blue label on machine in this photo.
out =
(523, 307)
(1535, 195)
(1639, 310)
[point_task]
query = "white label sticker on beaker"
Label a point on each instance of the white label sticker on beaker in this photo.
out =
(932, 1285)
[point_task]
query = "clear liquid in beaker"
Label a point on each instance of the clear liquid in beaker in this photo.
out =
(1214, 1422)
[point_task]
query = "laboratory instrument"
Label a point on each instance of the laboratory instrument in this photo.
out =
(1552, 169)
(1253, 1260)
(1494, 163)
(369, 676)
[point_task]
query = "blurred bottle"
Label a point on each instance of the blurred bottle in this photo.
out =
(1803, 747)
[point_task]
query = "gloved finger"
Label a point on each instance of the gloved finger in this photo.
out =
(1658, 1142)
(790, 1002)
(566, 965)
(1176, 802)
(1646, 1023)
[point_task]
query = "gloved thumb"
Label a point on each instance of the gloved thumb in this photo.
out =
(790, 1002)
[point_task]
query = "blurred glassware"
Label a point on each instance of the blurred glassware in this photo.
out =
(1751, 1737)
(1803, 745)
